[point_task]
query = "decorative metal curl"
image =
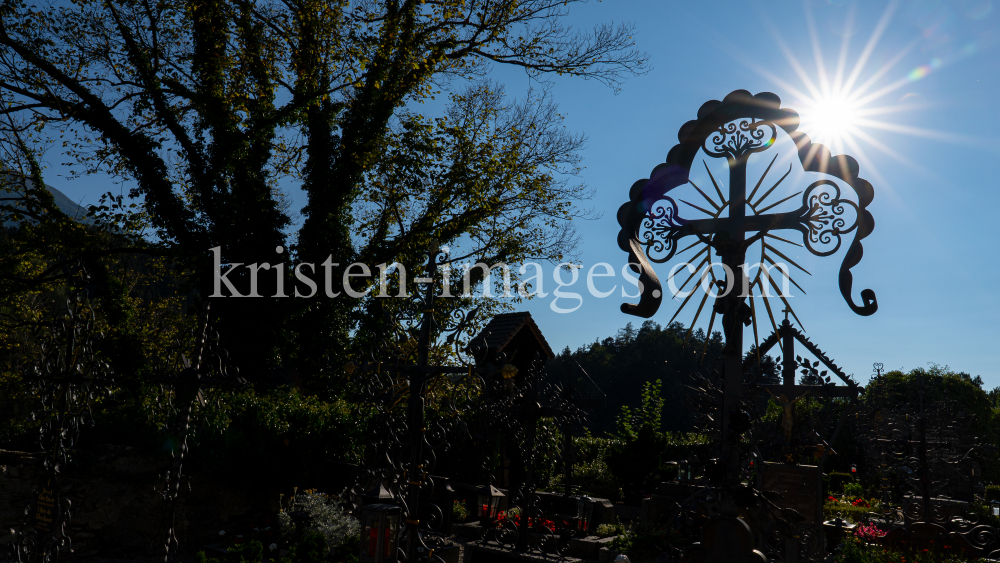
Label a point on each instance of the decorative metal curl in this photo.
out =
(823, 218)
(66, 380)
(740, 138)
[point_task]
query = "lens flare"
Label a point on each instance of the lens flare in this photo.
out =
(829, 118)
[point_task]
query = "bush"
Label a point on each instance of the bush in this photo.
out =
(312, 549)
(853, 550)
(848, 512)
(252, 552)
(992, 492)
(325, 518)
(608, 530)
(278, 437)
(459, 512)
(838, 480)
(853, 490)
(640, 464)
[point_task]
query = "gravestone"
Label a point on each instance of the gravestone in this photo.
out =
(46, 506)
(724, 538)
(801, 488)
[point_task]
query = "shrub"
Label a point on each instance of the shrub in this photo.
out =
(608, 530)
(993, 492)
(854, 550)
(324, 517)
(838, 480)
(252, 552)
(848, 512)
(312, 549)
(459, 512)
(853, 490)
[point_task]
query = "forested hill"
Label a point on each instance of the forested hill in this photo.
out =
(67, 205)
(619, 365)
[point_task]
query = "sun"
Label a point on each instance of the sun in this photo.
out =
(830, 119)
(847, 106)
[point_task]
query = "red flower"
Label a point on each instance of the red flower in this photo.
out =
(831, 498)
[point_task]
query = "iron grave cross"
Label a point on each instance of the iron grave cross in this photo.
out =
(736, 128)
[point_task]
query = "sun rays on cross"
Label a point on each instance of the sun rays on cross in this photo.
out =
(855, 106)
(701, 257)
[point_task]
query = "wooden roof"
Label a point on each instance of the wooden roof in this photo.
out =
(502, 329)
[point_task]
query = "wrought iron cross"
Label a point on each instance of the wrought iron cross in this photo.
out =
(67, 378)
(736, 128)
(411, 470)
(786, 336)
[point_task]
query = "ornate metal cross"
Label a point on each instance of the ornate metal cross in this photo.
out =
(736, 128)
(410, 375)
(67, 378)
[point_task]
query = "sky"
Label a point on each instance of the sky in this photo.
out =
(924, 135)
(909, 88)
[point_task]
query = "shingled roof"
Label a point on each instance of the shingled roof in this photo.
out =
(502, 329)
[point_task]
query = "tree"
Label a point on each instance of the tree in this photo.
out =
(624, 367)
(204, 107)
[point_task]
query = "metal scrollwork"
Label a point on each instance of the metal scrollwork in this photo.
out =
(735, 128)
(824, 217)
(658, 227)
(66, 381)
(184, 382)
(484, 402)
(739, 138)
(920, 441)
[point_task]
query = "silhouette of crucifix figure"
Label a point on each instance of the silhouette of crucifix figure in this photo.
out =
(788, 414)
(735, 129)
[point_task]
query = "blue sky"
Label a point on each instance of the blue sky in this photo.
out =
(932, 259)
(929, 148)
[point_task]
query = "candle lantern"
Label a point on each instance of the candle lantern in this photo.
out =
(379, 533)
(684, 470)
(488, 505)
(377, 495)
(486, 500)
(584, 514)
(995, 507)
(444, 496)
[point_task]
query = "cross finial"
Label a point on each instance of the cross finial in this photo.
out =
(786, 310)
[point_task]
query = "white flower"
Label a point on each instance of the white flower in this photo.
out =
(273, 546)
(222, 532)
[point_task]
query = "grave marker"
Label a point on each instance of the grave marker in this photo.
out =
(46, 506)
(800, 486)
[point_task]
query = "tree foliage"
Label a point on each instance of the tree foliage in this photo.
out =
(210, 110)
(625, 365)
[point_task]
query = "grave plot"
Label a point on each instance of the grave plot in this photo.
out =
(923, 455)
(485, 432)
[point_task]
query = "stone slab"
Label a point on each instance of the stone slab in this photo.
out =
(478, 553)
(801, 487)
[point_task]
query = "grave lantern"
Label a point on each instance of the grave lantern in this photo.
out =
(377, 495)
(444, 496)
(488, 503)
(684, 470)
(584, 514)
(379, 533)
(854, 469)
(995, 507)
